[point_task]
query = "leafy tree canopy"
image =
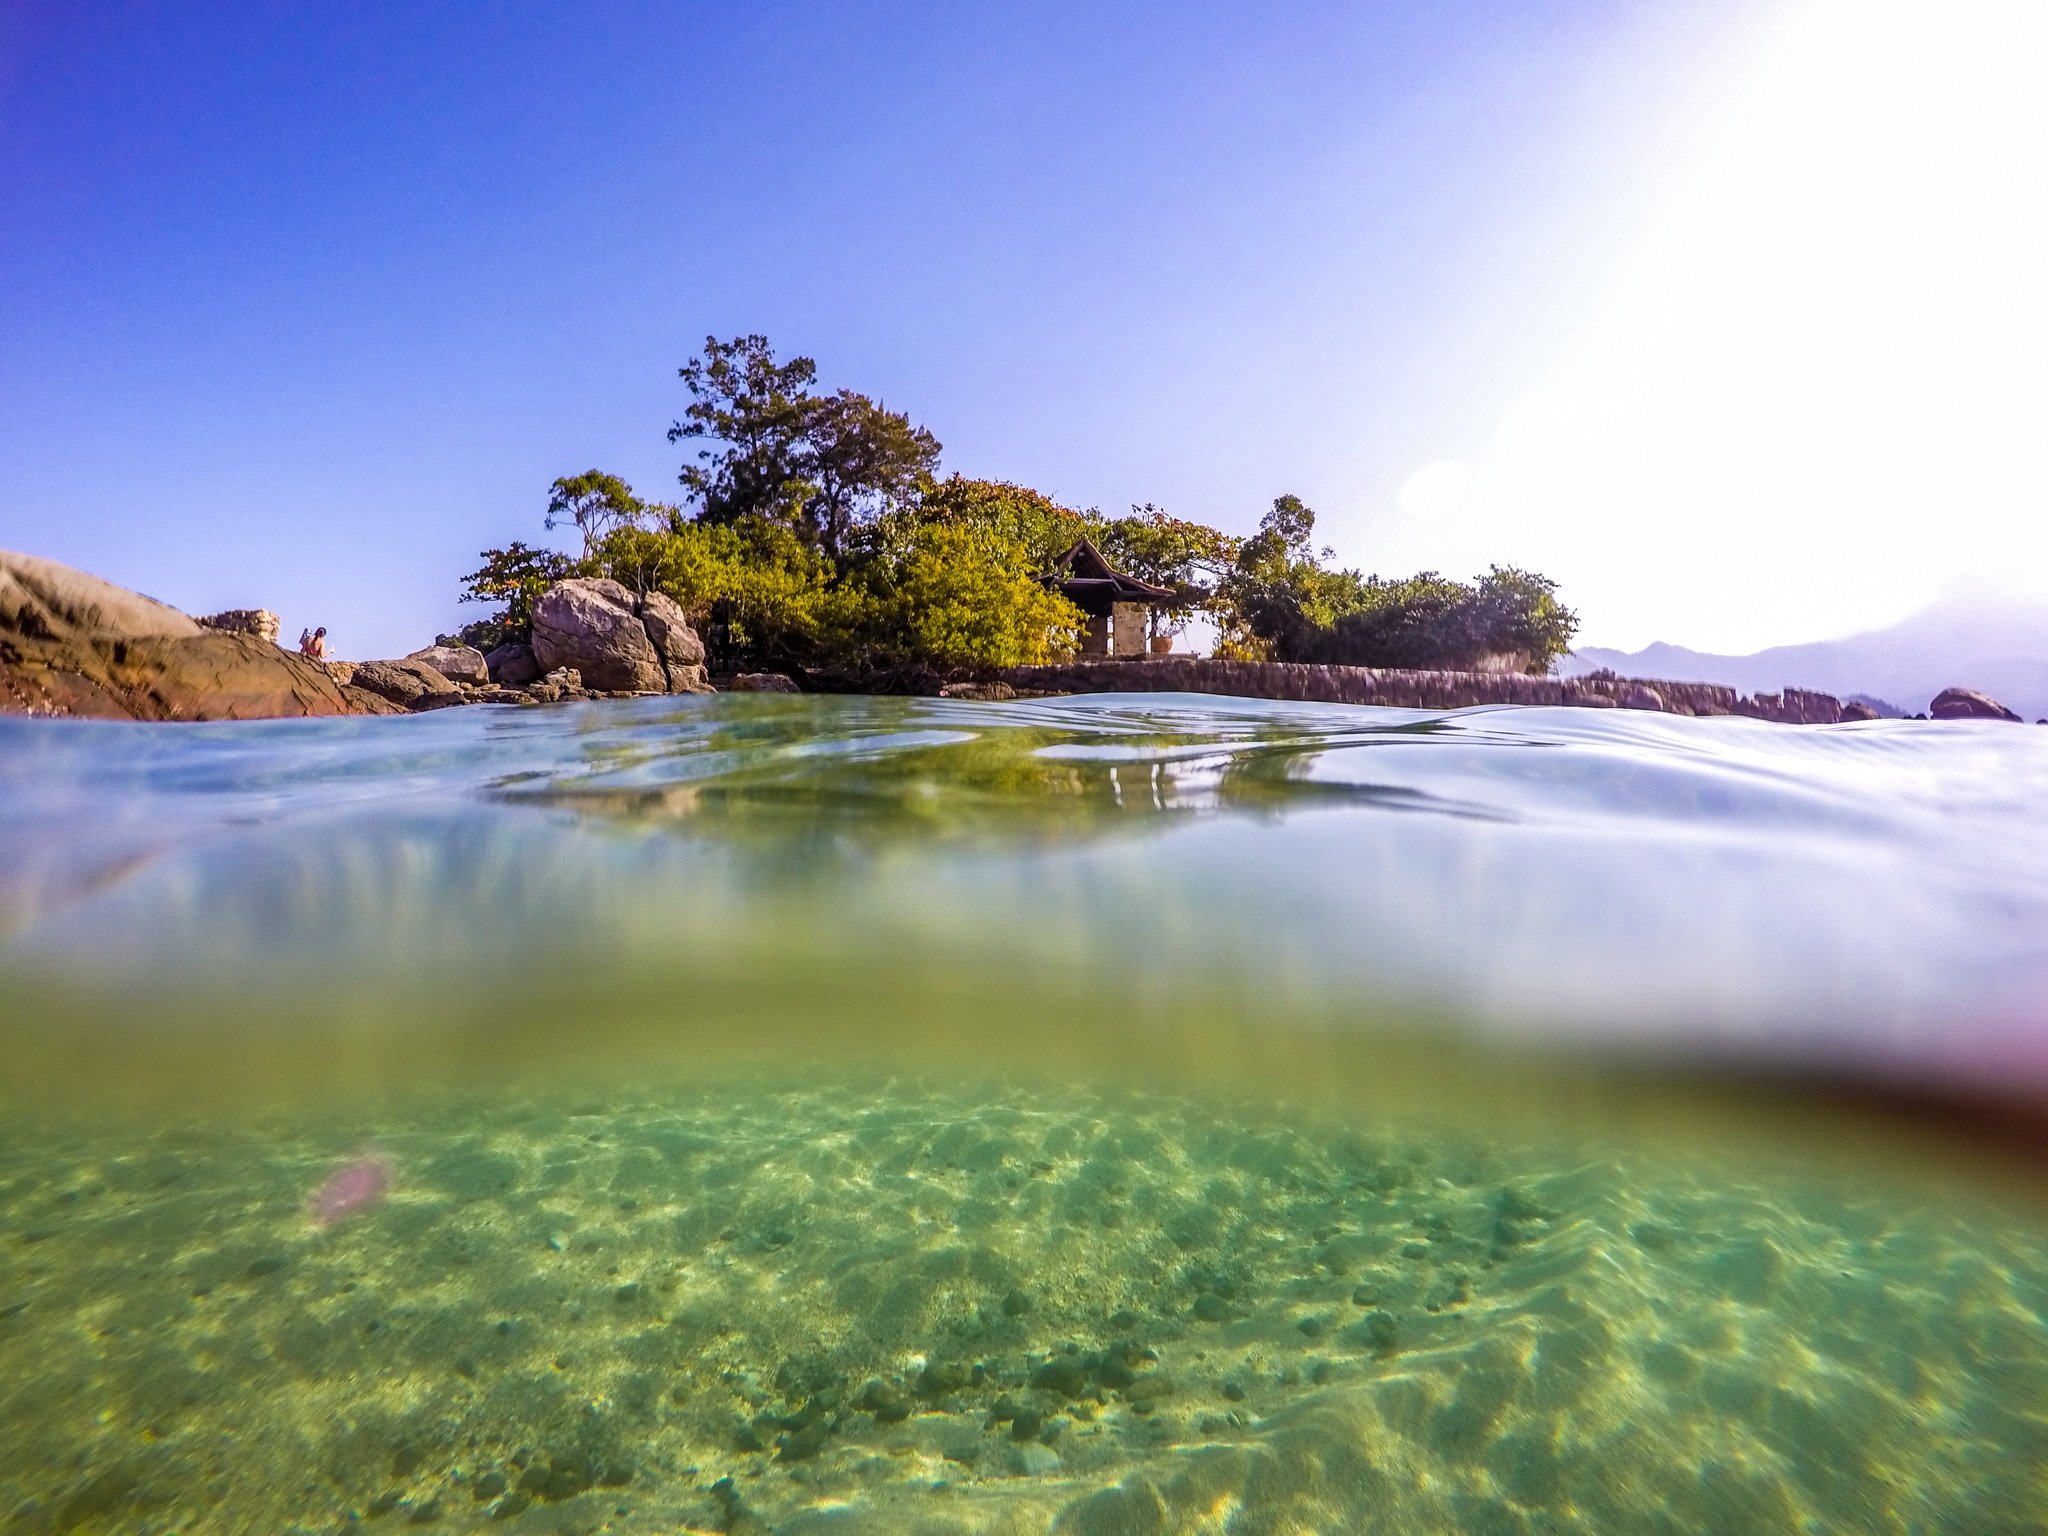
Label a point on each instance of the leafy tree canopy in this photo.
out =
(595, 503)
(1030, 519)
(1191, 558)
(768, 587)
(1281, 603)
(945, 594)
(515, 577)
(825, 464)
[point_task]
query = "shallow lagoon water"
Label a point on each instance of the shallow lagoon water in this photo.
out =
(1094, 1115)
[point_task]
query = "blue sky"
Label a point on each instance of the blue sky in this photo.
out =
(303, 305)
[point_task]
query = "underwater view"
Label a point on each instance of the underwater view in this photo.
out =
(1112, 1115)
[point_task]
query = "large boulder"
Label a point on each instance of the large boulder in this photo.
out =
(512, 665)
(1967, 704)
(40, 599)
(590, 624)
(681, 652)
(72, 644)
(619, 643)
(457, 663)
(402, 682)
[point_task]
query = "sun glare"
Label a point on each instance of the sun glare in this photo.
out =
(1818, 378)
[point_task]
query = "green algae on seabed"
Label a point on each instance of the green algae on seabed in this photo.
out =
(799, 1304)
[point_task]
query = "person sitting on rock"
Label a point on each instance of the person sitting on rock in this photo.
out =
(315, 644)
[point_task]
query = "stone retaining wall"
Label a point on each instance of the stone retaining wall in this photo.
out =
(1417, 690)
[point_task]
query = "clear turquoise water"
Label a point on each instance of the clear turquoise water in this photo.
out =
(1136, 1113)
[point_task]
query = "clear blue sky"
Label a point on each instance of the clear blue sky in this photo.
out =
(302, 305)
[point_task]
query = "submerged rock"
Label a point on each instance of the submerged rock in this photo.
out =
(984, 693)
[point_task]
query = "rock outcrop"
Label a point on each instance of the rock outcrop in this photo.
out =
(512, 665)
(72, 644)
(260, 622)
(457, 663)
(1967, 704)
(590, 624)
(618, 643)
(402, 682)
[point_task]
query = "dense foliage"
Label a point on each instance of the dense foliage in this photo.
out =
(514, 577)
(824, 464)
(1281, 603)
(816, 535)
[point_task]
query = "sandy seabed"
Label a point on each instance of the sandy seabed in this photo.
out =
(789, 1307)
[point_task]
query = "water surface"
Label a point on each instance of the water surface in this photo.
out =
(1116, 1114)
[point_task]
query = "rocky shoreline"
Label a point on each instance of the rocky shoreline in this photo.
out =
(72, 645)
(1462, 690)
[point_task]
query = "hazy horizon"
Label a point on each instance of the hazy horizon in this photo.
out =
(1725, 317)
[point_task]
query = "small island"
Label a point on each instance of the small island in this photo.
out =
(817, 548)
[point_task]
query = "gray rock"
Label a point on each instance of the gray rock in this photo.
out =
(681, 652)
(764, 682)
(512, 665)
(591, 625)
(1968, 704)
(401, 682)
(565, 677)
(1853, 710)
(618, 642)
(457, 663)
(1035, 1460)
(426, 701)
(1641, 696)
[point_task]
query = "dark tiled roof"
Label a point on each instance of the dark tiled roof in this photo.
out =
(1082, 572)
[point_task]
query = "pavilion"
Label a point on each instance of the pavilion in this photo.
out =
(1114, 602)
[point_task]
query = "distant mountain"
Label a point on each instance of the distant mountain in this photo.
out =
(1974, 636)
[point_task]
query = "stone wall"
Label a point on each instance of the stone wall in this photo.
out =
(1416, 690)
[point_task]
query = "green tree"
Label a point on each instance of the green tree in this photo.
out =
(595, 503)
(1516, 612)
(768, 584)
(824, 463)
(751, 412)
(1278, 592)
(862, 462)
(1191, 558)
(941, 595)
(514, 576)
(1039, 526)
